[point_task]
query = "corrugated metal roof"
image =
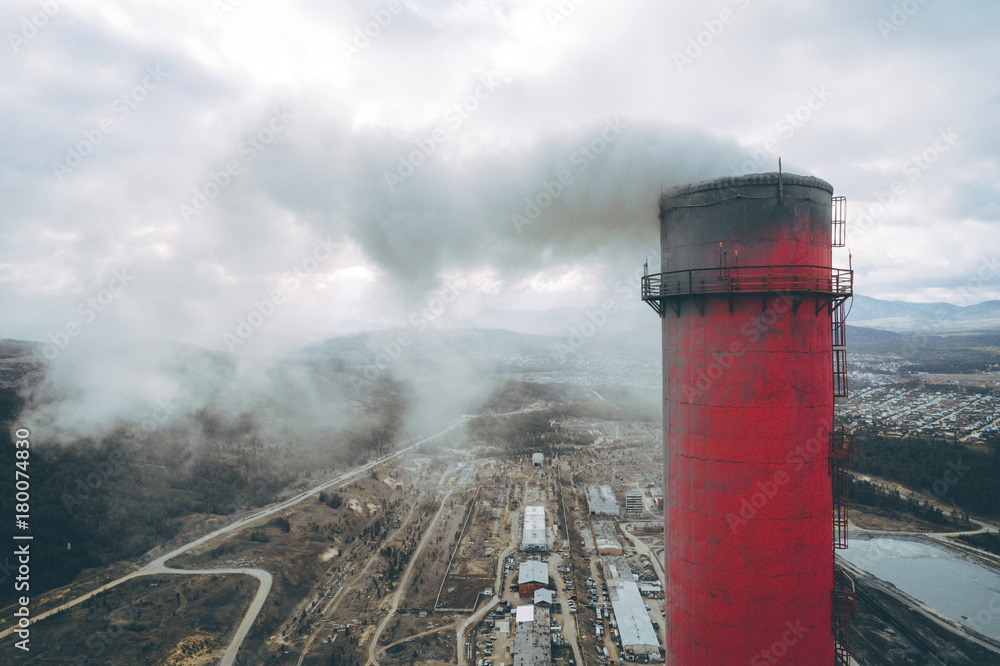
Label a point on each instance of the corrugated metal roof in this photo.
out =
(533, 571)
(634, 626)
(533, 535)
(543, 596)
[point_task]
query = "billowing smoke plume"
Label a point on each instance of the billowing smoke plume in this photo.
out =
(419, 208)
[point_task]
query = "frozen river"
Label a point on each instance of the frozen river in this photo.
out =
(957, 588)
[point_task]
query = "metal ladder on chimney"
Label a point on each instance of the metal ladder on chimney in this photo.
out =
(844, 606)
(841, 453)
(839, 338)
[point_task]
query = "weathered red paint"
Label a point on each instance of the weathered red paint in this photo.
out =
(747, 413)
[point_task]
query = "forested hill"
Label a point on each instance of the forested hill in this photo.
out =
(951, 473)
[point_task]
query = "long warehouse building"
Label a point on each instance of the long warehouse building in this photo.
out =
(639, 639)
(533, 536)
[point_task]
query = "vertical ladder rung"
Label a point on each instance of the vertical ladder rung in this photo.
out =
(840, 373)
(838, 218)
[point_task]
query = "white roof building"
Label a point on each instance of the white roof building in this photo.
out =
(533, 535)
(543, 596)
(634, 626)
(533, 571)
(525, 613)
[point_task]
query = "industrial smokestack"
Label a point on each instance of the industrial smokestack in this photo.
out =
(753, 354)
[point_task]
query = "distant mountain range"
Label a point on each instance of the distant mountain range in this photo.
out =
(631, 331)
(928, 318)
(866, 312)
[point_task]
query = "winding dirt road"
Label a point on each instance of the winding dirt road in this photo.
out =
(403, 582)
(158, 566)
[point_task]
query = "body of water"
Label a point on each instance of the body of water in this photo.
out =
(955, 587)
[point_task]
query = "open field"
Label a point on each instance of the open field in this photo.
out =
(184, 620)
(474, 561)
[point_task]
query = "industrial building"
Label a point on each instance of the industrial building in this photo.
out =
(651, 591)
(537, 459)
(754, 354)
(633, 502)
(606, 539)
(542, 597)
(638, 637)
(531, 636)
(608, 546)
(601, 501)
(647, 526)
(533, 535)
(532, 575)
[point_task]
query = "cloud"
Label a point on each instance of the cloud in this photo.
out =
(552, 86)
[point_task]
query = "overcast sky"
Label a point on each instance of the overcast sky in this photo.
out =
(185, 164)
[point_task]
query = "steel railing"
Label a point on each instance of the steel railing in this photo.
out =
(748, 280)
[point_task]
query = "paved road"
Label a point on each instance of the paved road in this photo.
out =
(644, 549)
(229, 657)
(158, 566)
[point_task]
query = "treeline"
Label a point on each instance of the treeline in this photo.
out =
(397, 560)
(988, 541)
(85, 510)
(380, 432)
(962, 360)
(95, 502)
(874, 495)
(522, 434)
(951, 473)
(513, 395)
